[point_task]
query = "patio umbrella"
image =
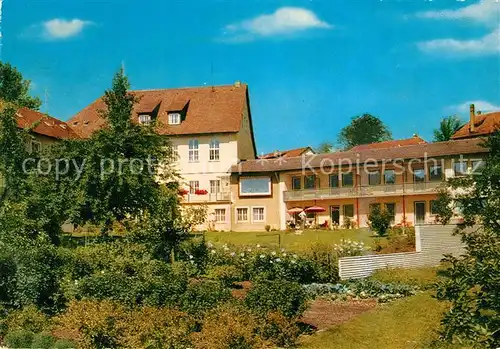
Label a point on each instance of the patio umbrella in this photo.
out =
(295, 210)
(315, 209)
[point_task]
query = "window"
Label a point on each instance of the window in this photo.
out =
(145, 119)
(433, 207)
(194, 150)
(460, 168)
(214, 150)
(309, 182)
(374, 178)
(435, 173)
(255, 186)
(220, 215)
(347, 179)
(348, 211)
(477, 166)
(258, 214)
(215, 186)
(296, 183)
(175, 151)
(242, 214)
(334, 181)
(174, 118)
(193, 186)
(389, 177)
(391, 208)
(35, 146)
(419, 175)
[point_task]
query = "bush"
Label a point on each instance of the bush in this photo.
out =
(195, 251)
(64, 344)
(156, 328)
(325, 258)
(204, 295)
(280, 330)
(228, 327)
(399, 240)
(225, 274)
(29, 318)
(266, 296)
(19, 339)
(43, 341)
(380, 220)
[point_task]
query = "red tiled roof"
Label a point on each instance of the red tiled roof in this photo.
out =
(450, 148)
(217, 109)
(43, 124)
(390, 144)
(286, 153)
(484, 125)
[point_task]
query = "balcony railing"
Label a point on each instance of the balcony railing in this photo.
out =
(363, 191)
(211, 197)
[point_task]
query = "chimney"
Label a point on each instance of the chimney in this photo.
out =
(472, 122)
(237, 83)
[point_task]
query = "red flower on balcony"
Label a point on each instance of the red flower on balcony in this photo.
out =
(201, 192)
(183, 192)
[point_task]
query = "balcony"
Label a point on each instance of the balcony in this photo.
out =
(208, 198)
(363, 191)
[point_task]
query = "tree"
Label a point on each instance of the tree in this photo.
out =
(13, 88)
(364, 129)
(472, 280)
(447, 128)
(380, 220)
(324, 147)
(442, 207)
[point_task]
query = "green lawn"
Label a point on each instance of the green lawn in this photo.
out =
(403, 324)
(290, 240)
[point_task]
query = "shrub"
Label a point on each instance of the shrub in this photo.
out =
(280, 330)
(380, 220)
(325, 258)
(267, 227)
(29, 318)
(19, 339)
(202, 296)
(195, 251)
(43, 341)
(228, 327)
(156, 328)
(348, 248)
(225, 274)
(287, 297)
(64, 344)
(91, 324)
(398, 240)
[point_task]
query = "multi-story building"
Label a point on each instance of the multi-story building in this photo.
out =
(210, 129)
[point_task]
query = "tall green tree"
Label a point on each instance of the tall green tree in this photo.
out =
(325, 147)
(447, 128)
(13, 88)
(472, 283)
(364, 129)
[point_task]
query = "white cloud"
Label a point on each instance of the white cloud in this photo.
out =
(285, 20)
(57, 28)
(483, 106)
(487, 12)
(488, 44)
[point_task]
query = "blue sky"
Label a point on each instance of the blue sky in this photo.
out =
(310, 65)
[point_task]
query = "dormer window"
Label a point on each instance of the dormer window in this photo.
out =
(174, 118)
(145, 119)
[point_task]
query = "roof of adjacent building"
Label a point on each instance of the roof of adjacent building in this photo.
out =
(390, 144)
(286, 153)
(418, 151)
(44, 124)
(204, 110)
(484, 124)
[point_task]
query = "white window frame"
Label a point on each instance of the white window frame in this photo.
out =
(217, 186)
(174, 118)
(263, 214)
(38, 143)
(146, 121)
(236, 214)
(193, 186)
(224, 217)
(214, 150)
(194, 150)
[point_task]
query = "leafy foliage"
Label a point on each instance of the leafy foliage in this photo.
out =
(364, 129)
(447, 128)
(472, 280)
(13, 88)
(443, 207)
(380, 220)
